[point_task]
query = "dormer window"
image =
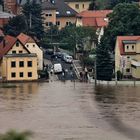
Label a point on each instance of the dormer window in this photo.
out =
(68, 12)
(57, 12)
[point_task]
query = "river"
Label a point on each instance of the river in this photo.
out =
(71, 111)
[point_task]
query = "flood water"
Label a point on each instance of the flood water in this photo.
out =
(68, 111)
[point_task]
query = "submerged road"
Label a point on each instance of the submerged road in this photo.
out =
(71, 111)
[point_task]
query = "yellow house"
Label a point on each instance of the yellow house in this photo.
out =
(32, 47)
(127, 56)
(16, 62)
(78, 5)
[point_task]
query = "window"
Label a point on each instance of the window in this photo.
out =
(33, 45)
(13, 64)
(29, 74)
(48, 23)
(13, 52)
(83, 6)
(13, 74)
(68, 23)
(57, 13)
(77, 6)
(132, 47)
(50, 15)
(21, 74)
(21, 63)
(29, 63)
(68, 12)
(46, 15)
(58, 23)
(127, 70)
(127, 47)
(17, 44)
(27, 45)
(20, 51)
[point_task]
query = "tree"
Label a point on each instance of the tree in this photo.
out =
(16, 25)
(13, 135)
(93, 5)
(124, 20)
(72, 35)
(104, 66)
(32, 12)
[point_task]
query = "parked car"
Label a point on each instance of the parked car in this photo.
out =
(57, 68)
(68, 59)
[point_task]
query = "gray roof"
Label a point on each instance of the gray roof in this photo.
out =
(47, 5)
(22, 2)
(6, 15)
(77, 0)
(129, 41)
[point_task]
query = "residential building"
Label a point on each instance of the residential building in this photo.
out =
(97, 19)
(32, 47)
(58, 13)
(127, 56)
(4, 18)
(16, 62)
(78, 5)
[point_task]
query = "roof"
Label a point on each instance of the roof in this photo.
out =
(96, 18)
(25, 38)
(6, 15)
(120, 40)
(77, 0)
(62, 9)
(48, 6)
(6, 44)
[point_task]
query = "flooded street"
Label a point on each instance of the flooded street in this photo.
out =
(68, 111)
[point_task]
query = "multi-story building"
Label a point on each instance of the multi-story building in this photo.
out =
(127, 56)
(32, 47)
(78, 5)
(16, 62)
(56, 12)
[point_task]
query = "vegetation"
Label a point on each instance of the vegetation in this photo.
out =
(14, 135)
(16, 25)
(124, 20)
(32, 12)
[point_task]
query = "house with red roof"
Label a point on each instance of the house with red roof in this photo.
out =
(97, 19)
(32, 47)
(127, 56)
(16, 61)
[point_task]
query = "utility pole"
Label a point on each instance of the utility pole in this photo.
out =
(95, 67)
(30, 20)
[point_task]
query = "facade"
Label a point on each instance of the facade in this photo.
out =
(96, 19)
(32, 47)
(78, 5)
(127, 56)
(16, 62)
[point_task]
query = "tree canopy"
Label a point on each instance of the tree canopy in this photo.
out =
(32, 11)
(16, 25)
(124, 20)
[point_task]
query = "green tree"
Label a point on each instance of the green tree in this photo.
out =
(32, 12)
(124, 20)
(14, 135)
(72, 35)
(103, 63)
(16, 25)
(93, 5)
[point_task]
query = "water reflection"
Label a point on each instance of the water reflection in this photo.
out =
(120, 106)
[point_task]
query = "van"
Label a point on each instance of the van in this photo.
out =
(68, 58)
(57, 68)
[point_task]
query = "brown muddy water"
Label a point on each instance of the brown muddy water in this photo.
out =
(68, 111)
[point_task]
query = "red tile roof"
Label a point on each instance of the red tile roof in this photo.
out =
(6, 44)
(94, 18)
(120, 40)
(25, 38)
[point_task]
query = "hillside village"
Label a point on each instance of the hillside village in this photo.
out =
(21, 48)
